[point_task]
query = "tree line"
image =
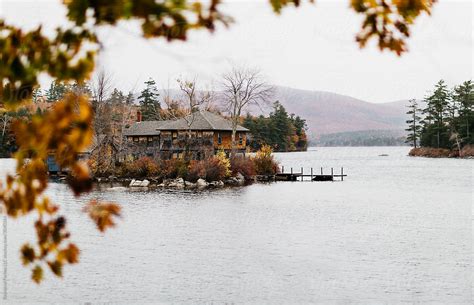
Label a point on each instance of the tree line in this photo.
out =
(240, 88)
(281, 131)
(444, 119)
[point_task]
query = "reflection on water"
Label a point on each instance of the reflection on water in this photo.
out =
(398, 230)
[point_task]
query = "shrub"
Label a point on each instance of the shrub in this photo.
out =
(467, 151)
(243, 165)
(222, 158)
(174, 168)
(212, 169)
(197, 169)
(264, 162)
(216, 169)
(143, 167)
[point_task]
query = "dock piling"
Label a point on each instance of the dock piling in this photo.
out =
(293, 176)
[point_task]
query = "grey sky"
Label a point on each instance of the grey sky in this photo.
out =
(311, 47)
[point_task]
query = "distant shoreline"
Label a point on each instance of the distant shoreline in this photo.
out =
(467, 152)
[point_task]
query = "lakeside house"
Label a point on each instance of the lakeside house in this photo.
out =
(200, 134)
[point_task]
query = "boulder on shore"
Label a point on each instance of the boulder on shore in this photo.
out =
(139, 183)
(175, 183)
(216, 184)
(238, 180)
(189, 185)
(201, 183)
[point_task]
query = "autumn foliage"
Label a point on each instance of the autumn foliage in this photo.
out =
(143, 167)
(264, 162)
(243, 165)
(62, 132)
(70, 54)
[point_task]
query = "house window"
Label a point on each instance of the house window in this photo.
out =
(135, 139)
(149, 141)
(241, 139)
(219, 138)
(175, 155)
(175, 135)
(199, 134)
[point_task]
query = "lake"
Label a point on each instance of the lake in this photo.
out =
(397, 230)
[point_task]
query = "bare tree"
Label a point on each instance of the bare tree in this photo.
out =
(101, 87)
(5, 119)
(192, 100)
(243, 87)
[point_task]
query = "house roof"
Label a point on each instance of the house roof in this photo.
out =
(144, 128)
(201, 120)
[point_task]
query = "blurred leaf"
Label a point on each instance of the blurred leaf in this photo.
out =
(37, 274)
(102, 214)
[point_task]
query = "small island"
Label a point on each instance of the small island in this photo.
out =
(442, 125)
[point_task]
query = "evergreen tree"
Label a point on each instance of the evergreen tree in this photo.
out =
(129, 99)
(82, 88)
(435, 130)
(279, 130)
(414, 127)
(301, 142)
(149, 104)
(283, 129)
(117, 97)
(37, 94)
(56, 91)
(463, 96)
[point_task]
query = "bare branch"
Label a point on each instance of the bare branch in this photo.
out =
(242, 87)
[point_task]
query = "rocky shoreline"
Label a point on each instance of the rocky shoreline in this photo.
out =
(177, 183)
(467, 152)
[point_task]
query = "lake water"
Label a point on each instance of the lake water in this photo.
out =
(397, 230)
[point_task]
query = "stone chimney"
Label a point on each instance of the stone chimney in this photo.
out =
(139, 116)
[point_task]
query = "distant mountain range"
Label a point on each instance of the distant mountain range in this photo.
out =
(340, 120)
(328, 113)
(341, 116)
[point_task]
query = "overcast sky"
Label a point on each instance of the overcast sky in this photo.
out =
(311, 48)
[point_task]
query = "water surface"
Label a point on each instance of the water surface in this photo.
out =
(397, 230)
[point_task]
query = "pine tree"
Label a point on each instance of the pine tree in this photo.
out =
(414, 127)
(463, 97)
(280, 131)
(37, 94)
(283, 129)
(56, 92)
(149, 104)
(436, 114)
(117, 97)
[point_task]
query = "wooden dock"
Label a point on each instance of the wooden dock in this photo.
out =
(311, 176)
